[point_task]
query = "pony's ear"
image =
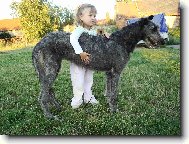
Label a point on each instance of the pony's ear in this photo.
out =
(151, 17)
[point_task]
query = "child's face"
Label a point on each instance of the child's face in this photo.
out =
(88, 17)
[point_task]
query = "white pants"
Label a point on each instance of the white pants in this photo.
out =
(82, 81)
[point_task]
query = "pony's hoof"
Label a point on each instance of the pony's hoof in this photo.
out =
(52, 117)
(114, 110)
(57, 118)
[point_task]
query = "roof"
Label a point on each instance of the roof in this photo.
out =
(10, 24)
(140, 8)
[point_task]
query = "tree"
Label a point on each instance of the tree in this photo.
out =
(38, 17)
(67, 17)
(107, 17)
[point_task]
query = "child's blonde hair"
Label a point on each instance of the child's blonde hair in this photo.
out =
(79, 11)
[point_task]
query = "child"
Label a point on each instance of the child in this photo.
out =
(82, 78)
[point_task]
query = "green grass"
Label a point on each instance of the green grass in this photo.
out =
(149, 98)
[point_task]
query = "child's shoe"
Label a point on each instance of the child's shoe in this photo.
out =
(92, 100)
(76, 103)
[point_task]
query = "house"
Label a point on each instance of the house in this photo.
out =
(127, 9)
(11, 27)
(10, 24)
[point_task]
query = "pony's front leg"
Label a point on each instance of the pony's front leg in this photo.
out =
(112, 95)
(108, 84)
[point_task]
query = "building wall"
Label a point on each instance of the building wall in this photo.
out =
(172, 21)
(141, 8)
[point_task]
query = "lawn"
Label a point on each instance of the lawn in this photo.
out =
(149, 98)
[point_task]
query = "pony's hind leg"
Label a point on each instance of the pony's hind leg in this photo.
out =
(54, 101)
(47, 96)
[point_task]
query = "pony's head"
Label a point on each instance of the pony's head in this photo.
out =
(150, 32)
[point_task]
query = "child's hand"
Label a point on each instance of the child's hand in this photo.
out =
(85, 57)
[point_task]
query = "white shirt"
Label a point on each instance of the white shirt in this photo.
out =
(75, 36)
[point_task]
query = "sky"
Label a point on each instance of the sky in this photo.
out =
(102, 6)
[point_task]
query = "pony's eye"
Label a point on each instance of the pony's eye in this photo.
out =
(154, 28)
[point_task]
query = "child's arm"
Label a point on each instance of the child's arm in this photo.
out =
(78, 50)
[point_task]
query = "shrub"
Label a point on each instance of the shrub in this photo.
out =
(110, 29)
(4, 35)
(174, 36)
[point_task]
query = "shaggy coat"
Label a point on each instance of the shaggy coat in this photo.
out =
(109, 55)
